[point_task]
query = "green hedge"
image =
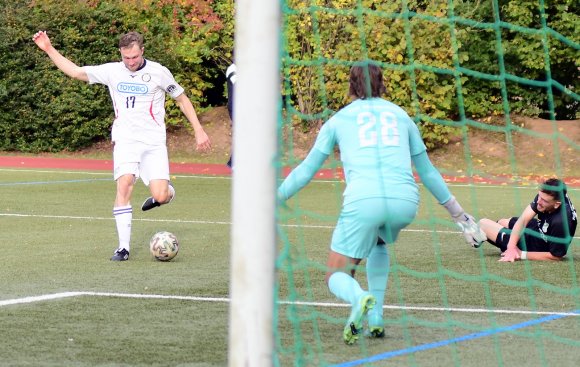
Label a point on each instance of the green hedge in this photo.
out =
(420, 44)
(41, 109)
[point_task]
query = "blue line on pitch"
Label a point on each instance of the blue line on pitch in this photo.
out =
(442, 343)
(53, 182)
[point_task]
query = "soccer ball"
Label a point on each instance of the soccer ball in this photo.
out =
(163, 246)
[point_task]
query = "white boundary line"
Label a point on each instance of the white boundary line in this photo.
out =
(33, 299)
(20, 215)
(63, 295)
(57, 171)
(49, 297)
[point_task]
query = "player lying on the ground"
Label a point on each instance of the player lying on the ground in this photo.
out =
(546, 237)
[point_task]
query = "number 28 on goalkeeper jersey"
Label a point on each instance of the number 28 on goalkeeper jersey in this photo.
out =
(377, 139)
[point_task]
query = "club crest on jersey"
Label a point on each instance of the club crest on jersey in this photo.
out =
(545, 227)
(146, 77)
(171, 88)
(132, 88)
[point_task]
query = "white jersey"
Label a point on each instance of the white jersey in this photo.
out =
(138, 99)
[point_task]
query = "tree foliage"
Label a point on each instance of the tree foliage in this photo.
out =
(528, 50)
(41, 109)
(444, 61)
(441, 58)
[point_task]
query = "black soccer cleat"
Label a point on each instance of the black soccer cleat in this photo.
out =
(149, 204)
(120, 255)
(376, 326)
(376, 332)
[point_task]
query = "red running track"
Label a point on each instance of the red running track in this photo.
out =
(31, 162)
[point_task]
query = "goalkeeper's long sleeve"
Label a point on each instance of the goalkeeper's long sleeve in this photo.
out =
(431, 177)
(301, 175)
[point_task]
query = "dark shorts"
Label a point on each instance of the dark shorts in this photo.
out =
(533, 241)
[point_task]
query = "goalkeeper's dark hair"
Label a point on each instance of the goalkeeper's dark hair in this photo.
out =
(555, 188)
(128, 39)
(366, 80)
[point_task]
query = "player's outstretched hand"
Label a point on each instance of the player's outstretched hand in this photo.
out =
(42, 40)
(473, 235)
(510, 255)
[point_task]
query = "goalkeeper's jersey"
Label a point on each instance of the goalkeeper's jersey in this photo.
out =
(138, 99)
(376, 139)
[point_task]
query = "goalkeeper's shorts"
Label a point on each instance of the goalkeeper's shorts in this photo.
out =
(362, 221)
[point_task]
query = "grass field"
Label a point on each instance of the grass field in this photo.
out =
(64, 303)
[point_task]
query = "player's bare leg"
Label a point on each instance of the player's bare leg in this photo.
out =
(162, 192)
(491, 228)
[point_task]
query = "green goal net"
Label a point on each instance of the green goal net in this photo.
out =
(493, 87)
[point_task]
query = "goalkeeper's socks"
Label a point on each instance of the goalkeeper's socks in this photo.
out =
(123, 217)
(377, 276)
(344, 287)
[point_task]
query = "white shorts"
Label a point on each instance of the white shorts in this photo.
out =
(148, 162)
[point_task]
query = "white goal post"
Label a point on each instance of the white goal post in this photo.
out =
(253, 231)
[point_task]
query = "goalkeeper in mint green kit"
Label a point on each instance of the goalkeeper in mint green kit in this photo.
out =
(378, 144)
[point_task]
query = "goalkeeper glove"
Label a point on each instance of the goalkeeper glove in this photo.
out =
(473, 235)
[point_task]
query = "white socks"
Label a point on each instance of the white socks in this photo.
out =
(123, 217)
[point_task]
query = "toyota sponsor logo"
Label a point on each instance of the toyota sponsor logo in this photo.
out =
(132, 88)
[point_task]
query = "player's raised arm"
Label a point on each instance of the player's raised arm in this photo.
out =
(65, 65)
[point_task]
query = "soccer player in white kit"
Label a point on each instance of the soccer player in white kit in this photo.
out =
(137, 87)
